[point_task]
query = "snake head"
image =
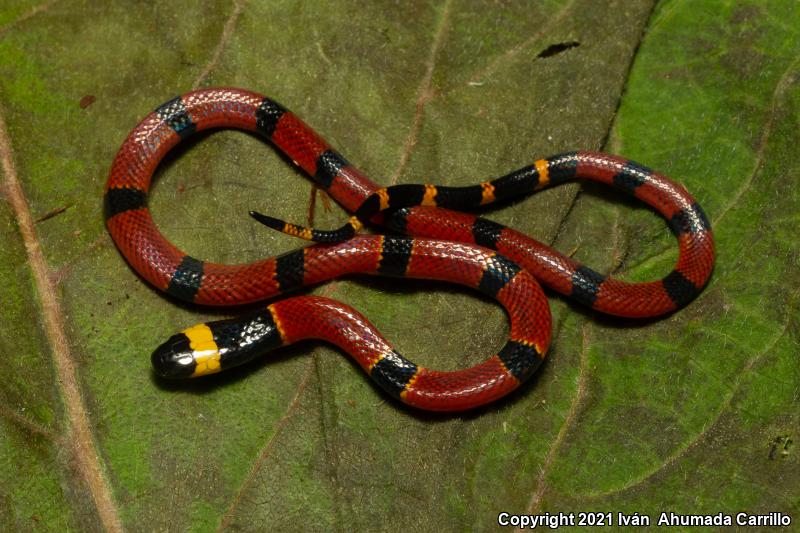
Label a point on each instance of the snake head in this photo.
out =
(208, 348)
(175, 359)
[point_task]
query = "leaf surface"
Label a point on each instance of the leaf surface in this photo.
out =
(695, 412)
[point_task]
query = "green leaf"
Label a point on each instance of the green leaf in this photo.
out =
(692, 413)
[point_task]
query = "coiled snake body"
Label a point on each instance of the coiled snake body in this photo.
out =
(444, 245)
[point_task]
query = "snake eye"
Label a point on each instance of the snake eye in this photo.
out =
(174, 359)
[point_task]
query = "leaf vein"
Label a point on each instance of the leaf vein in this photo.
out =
(580, 394)
(83, 448)
(41, 8)
(425, 94)
(515, 50)
(227, 31)
(266, 451)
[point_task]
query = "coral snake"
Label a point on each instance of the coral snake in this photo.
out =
(443, 245)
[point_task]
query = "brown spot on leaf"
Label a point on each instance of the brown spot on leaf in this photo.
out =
(86, 101)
